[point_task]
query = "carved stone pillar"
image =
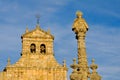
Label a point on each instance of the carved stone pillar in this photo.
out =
(80, 28)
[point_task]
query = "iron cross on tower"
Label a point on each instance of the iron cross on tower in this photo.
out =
(38, 18)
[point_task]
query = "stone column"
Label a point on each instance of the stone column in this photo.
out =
(80, 28)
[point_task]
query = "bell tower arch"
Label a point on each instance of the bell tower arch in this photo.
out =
(43, 49)
(33, 48)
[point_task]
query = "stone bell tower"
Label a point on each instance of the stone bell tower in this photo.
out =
(37, 42)
(37, 61)
(80, 70)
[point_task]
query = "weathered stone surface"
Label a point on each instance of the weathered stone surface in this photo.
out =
(37, 60)
(81, 70)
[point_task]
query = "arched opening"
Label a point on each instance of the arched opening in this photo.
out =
(42, 48)
(33, 48)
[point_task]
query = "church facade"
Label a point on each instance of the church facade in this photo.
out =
(37, 60)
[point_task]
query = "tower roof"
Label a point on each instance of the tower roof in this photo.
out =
(37, 32)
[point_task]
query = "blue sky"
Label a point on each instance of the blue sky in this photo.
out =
(102, 40)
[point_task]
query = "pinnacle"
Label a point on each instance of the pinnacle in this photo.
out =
(26, 30)
(37, 26)
(93, 66)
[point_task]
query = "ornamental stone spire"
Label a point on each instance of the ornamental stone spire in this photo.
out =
(74, 75)
(80, 28)
(81, 70)
(94, 75)
(27, 30)
(8, 62)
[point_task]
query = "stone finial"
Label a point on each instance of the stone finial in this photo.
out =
(8, 62)
(74, 65)
(74, 75)
(26, 31)
(94, 75)
(93, 66)
(37, 26)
